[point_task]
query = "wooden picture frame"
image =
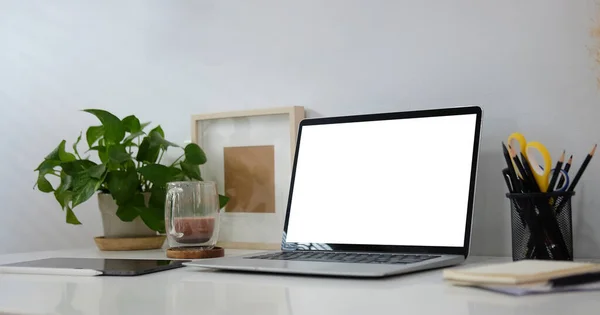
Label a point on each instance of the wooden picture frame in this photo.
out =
(250, 156)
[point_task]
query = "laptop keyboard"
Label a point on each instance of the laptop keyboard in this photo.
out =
(363, 258)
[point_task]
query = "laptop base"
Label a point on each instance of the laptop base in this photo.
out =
(336, 269)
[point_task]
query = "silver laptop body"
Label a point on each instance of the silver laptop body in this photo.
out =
(376, 195)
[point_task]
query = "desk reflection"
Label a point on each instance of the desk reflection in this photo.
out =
(239, 293)
(228, 298)
(420, 293)
(192, 291)
(45, 294)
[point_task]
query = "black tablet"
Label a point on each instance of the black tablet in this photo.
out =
(91, 266)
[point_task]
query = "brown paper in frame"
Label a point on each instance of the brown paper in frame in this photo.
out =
(250, 178)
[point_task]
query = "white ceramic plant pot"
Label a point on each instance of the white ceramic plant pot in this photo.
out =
(112, 224)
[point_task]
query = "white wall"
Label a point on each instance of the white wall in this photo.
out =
(529, 64)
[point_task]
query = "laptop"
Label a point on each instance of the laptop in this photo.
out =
(375, 195)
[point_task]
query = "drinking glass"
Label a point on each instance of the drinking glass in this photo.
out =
(192, 214)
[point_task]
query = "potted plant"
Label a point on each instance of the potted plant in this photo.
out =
(127, 174)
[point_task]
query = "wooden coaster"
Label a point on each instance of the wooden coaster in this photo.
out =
(195, 252)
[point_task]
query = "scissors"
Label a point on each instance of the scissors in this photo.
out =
(565, 181)
(541, 172)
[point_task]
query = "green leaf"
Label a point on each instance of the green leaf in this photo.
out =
(66, 182)
(84, 193)
(44, 185)
(47, 166)
(84, 187)
(123, 185)
(63, 194)
(191, 171)
(132, 209)
(127, 213)
(102, 154)
(144, 125)
(67, 157)
(63, 197)
(118, 154)
(159, 130)
(130, 165)
(97, 171)
(114, 130)
(71, 218)
(158, 194)
(156, 139)
(132, 124)
(59, 154)
(53, 156)
(78, 166)
(223, 200)
(63, 155)
(154, 218)
(76, 144)
(159, 174)
(194, 154)
(129, 139)
(180, 177)
(93, 134)
(147, 152)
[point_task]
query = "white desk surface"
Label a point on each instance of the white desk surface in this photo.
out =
(197, 291)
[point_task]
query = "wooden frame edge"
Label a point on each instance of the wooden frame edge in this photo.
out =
(247, 113)
(295, 113)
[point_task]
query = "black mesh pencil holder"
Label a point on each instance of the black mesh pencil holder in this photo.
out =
(541, 225)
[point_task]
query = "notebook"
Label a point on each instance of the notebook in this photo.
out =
(524, 272)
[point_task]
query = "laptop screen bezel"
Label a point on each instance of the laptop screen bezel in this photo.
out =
(461, 250)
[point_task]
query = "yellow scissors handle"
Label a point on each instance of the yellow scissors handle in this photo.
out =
(541, 175)
(520, 139)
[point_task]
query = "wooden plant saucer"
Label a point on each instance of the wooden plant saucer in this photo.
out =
(129, 243)
(195, 252)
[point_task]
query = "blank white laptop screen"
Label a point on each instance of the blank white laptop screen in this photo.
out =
(392, 182)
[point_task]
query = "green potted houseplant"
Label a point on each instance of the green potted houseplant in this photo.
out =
(126, 174)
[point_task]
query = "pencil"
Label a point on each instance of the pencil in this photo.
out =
(511, 170)
(527, 169)
(567, 167)
(557, 169)
(518, 163)
(528, 178)
(579, 173)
